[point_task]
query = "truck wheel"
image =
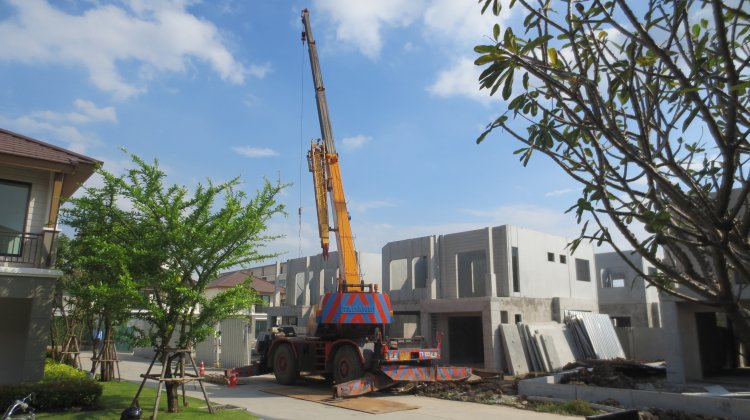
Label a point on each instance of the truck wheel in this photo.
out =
(346, 365)
(285, 365)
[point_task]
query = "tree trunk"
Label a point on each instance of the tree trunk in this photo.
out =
(94, 345)
(172, 387)
(53, 338)
(107, 369)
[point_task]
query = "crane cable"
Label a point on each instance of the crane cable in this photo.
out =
(301, 139)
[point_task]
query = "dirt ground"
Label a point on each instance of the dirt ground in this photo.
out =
(615, 374)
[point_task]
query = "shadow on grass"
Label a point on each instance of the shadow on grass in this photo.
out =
(117, 396)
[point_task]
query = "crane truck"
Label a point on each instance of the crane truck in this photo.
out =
(347, 344)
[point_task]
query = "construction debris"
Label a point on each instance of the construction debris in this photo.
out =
(488, 391)
(600, 375)
(618, 373)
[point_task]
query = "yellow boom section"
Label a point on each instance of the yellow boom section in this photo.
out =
(316, 161)
(324, 164)
(349, 269)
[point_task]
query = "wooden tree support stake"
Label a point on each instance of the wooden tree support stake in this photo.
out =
(108, 358)
(165, 354)
(71, 349)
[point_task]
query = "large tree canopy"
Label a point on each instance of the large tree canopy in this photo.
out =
(96, 264)
(146, 245)
(645, 104)
(179, 241)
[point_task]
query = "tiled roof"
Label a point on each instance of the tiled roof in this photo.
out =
(24, 152)
(16, 144)
(233, 278)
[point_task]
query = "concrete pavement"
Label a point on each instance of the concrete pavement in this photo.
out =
(271, 406)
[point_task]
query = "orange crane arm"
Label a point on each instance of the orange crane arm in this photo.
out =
(324, 164)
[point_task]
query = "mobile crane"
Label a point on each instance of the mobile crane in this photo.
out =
(348, 345)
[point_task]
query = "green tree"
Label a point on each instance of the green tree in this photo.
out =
(647, 109)
(96, 264)
(178, 241)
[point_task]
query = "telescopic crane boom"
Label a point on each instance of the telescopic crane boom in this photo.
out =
(323, 161)
(346, 343)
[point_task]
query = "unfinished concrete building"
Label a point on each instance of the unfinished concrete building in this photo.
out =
(625, 296)
(633, 305)
(702, 344)
(464, 285)
(308, 278)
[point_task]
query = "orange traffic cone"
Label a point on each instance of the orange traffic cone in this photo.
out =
(202, 369)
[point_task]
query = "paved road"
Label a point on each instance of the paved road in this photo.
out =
(271, 407)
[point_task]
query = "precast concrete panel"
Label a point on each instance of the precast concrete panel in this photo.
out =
(541, 278)
(634, 298)
(400, 258)
(450, 246)
(501, 260)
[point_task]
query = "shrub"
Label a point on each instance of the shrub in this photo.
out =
(54, 372)
(573, 408)
(62, 387)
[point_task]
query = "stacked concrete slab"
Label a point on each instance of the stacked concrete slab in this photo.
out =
(550, 346)
(538, 347)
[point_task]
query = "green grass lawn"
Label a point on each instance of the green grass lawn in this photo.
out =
(118, 395)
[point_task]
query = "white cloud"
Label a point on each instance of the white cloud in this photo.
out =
(160, 36)
(87, 112)
(455, 26)
(462, 79)
(459, 26)
(549, 220)
(355, 142)
(556, 193)
(361, 23)
(63, 126)
(255, 152)
(259, 70)
(460, 22)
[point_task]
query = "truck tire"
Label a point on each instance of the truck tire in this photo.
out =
(285, 365)
(346, 365)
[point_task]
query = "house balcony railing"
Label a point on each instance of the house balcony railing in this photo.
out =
(260, 309)
(28, 249)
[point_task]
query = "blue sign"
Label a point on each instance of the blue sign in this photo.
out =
(357, 309)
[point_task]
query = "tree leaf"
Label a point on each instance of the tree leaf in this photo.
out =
(690, 118)
(645, 61)
(552, 56)
(508, 87)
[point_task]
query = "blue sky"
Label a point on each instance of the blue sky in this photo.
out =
(219, 89)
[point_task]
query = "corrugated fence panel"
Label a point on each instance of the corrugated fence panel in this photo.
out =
(601, 334)
(235, 343)
(205, 352)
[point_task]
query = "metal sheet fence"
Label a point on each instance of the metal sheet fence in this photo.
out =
(596, 333)
(230, 348)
